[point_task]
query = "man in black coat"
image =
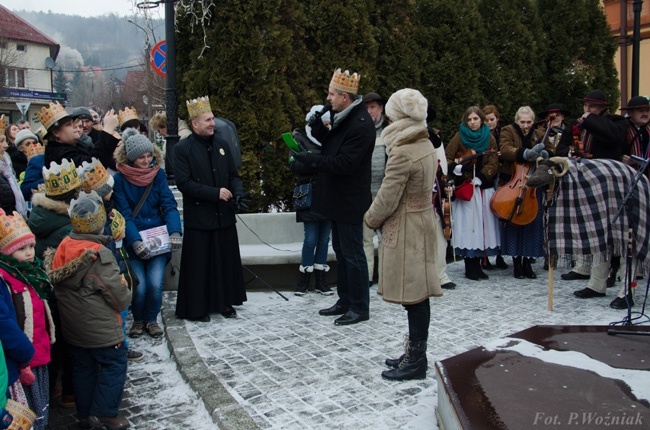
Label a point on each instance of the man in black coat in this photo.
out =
(342, 193)
(211, 275)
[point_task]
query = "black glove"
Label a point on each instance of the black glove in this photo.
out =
(315, 117)
(242, 201)
(176, 240)
(309, 159)
(467, 167)
(141, 250)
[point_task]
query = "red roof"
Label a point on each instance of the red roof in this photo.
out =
(13, 27)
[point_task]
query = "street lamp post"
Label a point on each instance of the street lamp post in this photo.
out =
(636, 46)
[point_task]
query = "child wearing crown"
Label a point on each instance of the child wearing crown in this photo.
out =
(91, 293)
(21, 272)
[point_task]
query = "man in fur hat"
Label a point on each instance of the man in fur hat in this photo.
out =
(342, 192)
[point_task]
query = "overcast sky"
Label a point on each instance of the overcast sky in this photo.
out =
(75, 7)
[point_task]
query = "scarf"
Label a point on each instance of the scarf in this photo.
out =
(478, 140)
(137, 176)
(29, 272)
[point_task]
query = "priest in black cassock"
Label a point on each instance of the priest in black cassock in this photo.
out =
(211, 275)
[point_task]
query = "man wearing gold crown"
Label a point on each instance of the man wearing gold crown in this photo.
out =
(342, 192)
(211, 278)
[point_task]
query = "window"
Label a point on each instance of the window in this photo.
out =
(3, 45)
(15, 78)
(21, 48)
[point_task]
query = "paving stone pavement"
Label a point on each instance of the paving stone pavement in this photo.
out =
(279, 365)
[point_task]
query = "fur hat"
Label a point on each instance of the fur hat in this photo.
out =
(95, 177)
(14, 233)
(407, 103)
(87, 213)
(135, 144)
(24, 135)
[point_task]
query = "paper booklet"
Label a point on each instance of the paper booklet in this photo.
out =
(157, 240)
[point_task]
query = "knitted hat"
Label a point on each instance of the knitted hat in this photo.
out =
(14, 233)
(407, 103)
(118, 224)
(87, 213)
(24, 135)
(135, 144)
(95, 177)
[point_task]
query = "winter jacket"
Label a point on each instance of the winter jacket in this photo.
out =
(104, 145)
(342, 193)
(404, 211)
(7, 198)
(33, 176)
(513, 144)
(4, 378)
(34, 318)
(604, 134)
(19, 162)
(202, 166)
(305, 174)
(159, 208)
(49, 221)
(487, 165)
(90, 291)
(17, 348)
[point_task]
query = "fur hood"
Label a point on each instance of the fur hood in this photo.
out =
(57, 206)
(120, 155)
(403, 132)
(72, 272)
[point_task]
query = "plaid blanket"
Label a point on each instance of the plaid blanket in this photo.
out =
(579, 215)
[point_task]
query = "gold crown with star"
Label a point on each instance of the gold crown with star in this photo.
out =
(198, 106)
(14, 232)
(118, 224)
(127, 115)
(61, 178)
(87, 213)
(343, 81)
(49, 116)
(94, 175)
(33, 149)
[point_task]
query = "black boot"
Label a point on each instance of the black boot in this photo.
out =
(528, 269)
(613, 271)
(519, 269)
(413, 366)
(321, 285)
(485, 263)
(394, 362)
(470, 270)
(303, 284)
(500, 262)
(479, 270)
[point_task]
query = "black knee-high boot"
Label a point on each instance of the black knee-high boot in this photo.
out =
(413, 364)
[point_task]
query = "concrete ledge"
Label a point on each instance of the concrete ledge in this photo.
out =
(225, 411)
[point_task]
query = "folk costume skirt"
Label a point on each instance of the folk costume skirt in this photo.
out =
(211, 275)
(476, 229)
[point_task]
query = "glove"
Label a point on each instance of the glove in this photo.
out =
(27, 376)
(242, 201)
(176, 240)
(477, 182)
(309, 159)
(141, 250)
(544, 154)
(536, 151)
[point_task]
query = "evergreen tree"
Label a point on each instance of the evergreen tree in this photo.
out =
(581, 52)
(517, 45)
(60, 82)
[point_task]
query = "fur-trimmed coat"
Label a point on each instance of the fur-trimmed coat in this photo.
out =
(404, 212)
(159, 208)
(33, 316)
(49, 221)
(90, 291)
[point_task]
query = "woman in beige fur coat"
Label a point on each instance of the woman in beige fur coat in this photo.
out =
(403, 212)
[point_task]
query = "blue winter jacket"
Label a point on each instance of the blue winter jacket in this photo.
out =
(16, 345)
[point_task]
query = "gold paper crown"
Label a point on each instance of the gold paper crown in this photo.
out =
(118, 224)
(3, 123)
(89, 222)
(93, 175)
(127, 115)
(61, 179)
(14, 232)
(198, 106)
(345, 82)
(49, 116)
(41, 132)
(33, 149)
